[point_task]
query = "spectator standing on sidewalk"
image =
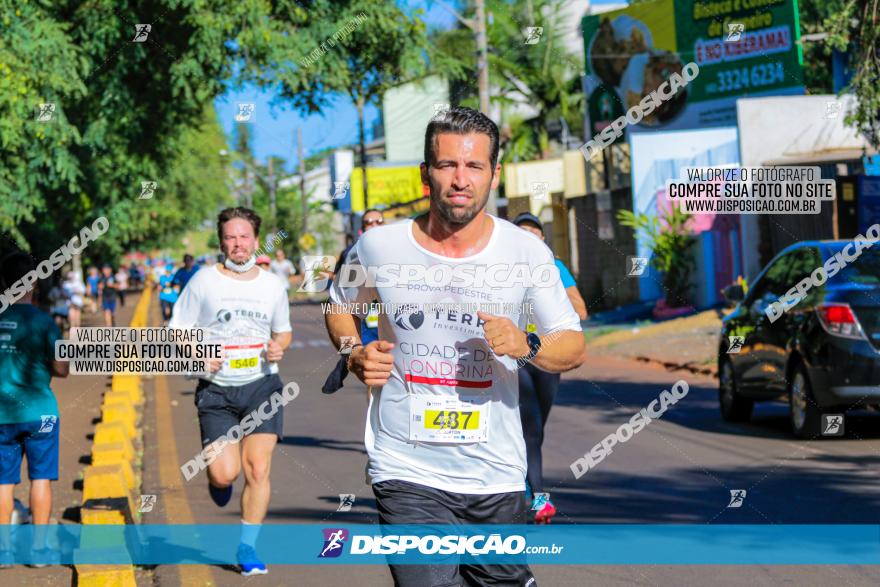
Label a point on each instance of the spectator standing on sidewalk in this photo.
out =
(28, 410)
(537, 390)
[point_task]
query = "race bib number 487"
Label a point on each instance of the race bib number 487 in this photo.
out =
(448, 419)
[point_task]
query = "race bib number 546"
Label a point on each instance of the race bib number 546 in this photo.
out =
(243, 359)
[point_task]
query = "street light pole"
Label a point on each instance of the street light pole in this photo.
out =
(302, 182)
(478, 27)
(482, 56)
(362, 142)
(271, 182)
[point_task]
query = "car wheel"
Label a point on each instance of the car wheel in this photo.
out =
(806, 417)
(734, 407)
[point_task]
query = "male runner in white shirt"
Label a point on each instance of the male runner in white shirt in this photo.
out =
(443, 433)
(245, 310)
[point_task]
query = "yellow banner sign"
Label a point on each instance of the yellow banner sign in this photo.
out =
(386, 186)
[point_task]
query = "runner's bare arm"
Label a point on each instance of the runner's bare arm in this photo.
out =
(577, 302)
(371, 364)
(561, 351)
(279, 342)
(340, 324)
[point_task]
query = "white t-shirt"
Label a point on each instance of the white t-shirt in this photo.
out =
(283, 270)
(441, 356)
(240, 315)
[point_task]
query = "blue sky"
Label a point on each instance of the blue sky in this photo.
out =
(275, 127)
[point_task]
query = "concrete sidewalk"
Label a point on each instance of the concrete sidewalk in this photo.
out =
(689, 343)
(79, 405)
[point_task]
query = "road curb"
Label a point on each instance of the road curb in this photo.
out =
(711, 371)
(112, 481)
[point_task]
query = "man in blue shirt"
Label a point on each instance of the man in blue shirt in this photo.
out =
(372, 218)
(537, 389)
(185, 273)
(28, 410)
(168, 293)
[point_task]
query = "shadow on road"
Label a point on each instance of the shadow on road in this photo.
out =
(787, 481)
(364, 512)
(328, 443)
(615, 402)
(809, 494)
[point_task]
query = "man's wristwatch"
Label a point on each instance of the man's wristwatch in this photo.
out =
(534, 342)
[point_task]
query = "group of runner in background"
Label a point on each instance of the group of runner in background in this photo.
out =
(244, 300)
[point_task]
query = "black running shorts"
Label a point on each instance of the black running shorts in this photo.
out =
(402, 502)
(222, 407)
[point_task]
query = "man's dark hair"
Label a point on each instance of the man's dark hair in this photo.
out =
(462, 121)
(13, 267)
(239, 212)
(188, 258)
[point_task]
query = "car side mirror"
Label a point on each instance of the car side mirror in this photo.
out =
(733, 293)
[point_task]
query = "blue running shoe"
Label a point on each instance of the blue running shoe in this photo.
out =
(43, 557)
(220, 495)
(248, 561)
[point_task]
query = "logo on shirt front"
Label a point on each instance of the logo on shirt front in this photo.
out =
(334, 540)
(409, 318)
(224, 316)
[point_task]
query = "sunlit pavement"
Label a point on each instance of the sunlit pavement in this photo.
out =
(679, 469)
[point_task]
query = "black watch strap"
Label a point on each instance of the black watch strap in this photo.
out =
(534, 342)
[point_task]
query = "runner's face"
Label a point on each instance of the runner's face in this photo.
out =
(461, 176)
(239, 241)
(371, 220)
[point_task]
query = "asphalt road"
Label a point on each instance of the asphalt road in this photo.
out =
(679, 469)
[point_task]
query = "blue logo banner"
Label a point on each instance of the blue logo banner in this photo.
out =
(313, 544)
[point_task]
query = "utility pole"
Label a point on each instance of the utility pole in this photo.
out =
(362, 146)
(248, 187)
(302, 181)
(482, 56)
(478, 27)
(272, 195)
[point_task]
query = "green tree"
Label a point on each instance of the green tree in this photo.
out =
(543, 75)
(857, 27)
(357, 49)
(670, 240)
(122, 110)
